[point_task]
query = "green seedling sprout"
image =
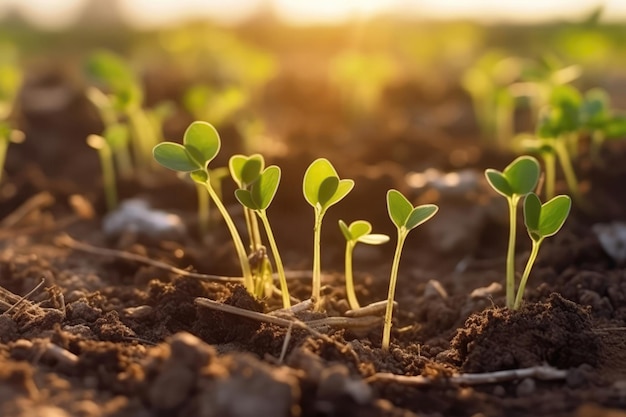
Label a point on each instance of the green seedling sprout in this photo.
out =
(258, 198)
(518, 179)
(201, 144)
(406, 218)
(8, 135)
(216, 175)
(542, 221)
(10, 84)
(357, 231)
(322, 188)
(246, 170)
(113, 138)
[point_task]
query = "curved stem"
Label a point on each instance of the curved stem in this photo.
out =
(241, 250)
(279, 263)
(402, 233)
(317, 263)
(350, 293)
(529, 266)
(510, 255)
(568, 169)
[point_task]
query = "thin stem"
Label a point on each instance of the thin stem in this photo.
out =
(317, 263)
(203, 210)
(108, 176)
(510, 255)
(550, 163)
(143, 141)
(529, 266)
(568, 169)
(4, 145)
(402, 233)
(241, 250)
(279, 263)
(350, 293)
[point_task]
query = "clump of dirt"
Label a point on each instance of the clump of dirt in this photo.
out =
(557, 332)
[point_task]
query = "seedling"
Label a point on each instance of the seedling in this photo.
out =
(8, 135)
(358, 231)
(542, 221)
(201, 144)
(406, 218)
(519, 178)
(216, 176)
(258, 198)
(322, 188)
(245, 170)
(115, 137)
(217, 105)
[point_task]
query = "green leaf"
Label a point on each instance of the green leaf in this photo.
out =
(615, 127)
(200, 176)
(174, 156)
(110, 69)
(327, 190)
(117, 136)
(522, 174)
(202, 142)
(420, 214)
(498, 182)
(545, 220)
(245, 198)
(343, 188)
(345, 230)
(264, 188)
(246, 169)
(398, 207)
(374, 239)
(359, 229)
(316, 173)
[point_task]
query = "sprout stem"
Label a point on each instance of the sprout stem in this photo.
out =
(317, 267)
(510, 255)
(279, 263)
(529, 265)
(550, 163)
(203, 210)
(568, 170)
(241, 250)
(402, 234)
(350, 293)
(4, 144)
(108, 176)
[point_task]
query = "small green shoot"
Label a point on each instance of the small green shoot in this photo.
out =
(258, 198)
(542, 221)
(113, 138)
(406, 218)
(8, 135)
(518, 179)
(322, 188)
(201, 144)
(358, 231)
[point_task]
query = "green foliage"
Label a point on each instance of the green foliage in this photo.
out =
(245, 169)
(542, 221)
(357, 231)
(262, 191)
(519, 178)
(322, 188)
(405, 217)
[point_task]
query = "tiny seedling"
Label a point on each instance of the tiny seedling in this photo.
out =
(518, 179)
(113, 138)
(406, 218)
(245, 170)
(358, 231)
(258, 198)
(201, 144)
(322, 188)
(542, 221)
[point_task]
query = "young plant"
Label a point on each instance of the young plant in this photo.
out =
(358, 231)
(258, 198)
(201, 144)
(246, 170)
(114, 137)
(518, 179)
(542, 221)
(322, 188)
(406, 218)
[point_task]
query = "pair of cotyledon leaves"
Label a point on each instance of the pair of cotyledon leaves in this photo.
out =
(201, 144)
(519, 179)
(360, 231)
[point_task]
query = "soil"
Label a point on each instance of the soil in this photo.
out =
(109, 336)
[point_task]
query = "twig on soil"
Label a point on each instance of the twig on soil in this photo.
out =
(67, 241)
(545, 373)
(43, 199)
(31, 292)
(283, 351)
(279, 321)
